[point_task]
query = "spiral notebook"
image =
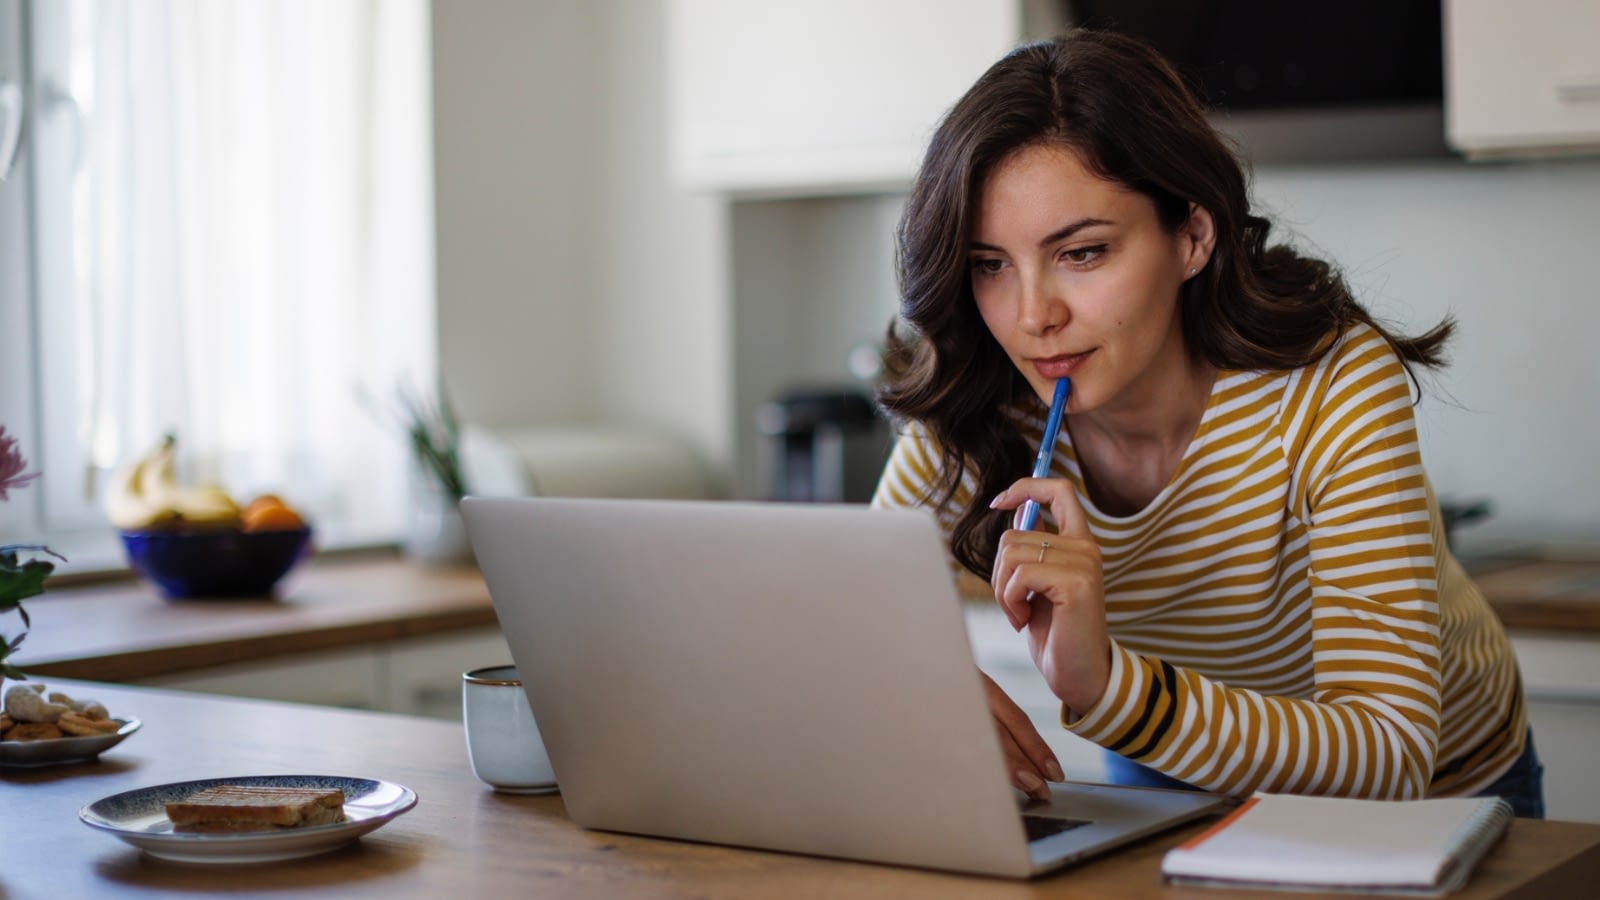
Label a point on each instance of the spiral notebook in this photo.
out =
(1279, 841)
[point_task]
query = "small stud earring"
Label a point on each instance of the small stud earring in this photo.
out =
(1192, 271)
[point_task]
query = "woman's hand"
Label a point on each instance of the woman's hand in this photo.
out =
(1029, 760)
(1052, 584)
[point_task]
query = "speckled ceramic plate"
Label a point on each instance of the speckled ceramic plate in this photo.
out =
(60, 751)
(140, 818)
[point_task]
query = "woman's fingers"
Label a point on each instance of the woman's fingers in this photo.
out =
(1055, 493)
(1035, 566)
(1053, 585)
(1040, 760)
(1024, 775)
(1029, 760)
(1066, 510)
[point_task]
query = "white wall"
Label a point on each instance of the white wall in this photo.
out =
(515, 122)
(577, 282)
(814, 280)
(659, 254)
(1510, 251)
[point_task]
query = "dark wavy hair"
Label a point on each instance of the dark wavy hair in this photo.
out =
(1130, 117)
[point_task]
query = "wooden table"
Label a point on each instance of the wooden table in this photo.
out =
(465, 841)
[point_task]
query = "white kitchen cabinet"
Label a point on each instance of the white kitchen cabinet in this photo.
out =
(350, 677)
(1565, 732)
(1561, 676)
(781, 99)
(1522, 79)
(418, 676)
(422, 676)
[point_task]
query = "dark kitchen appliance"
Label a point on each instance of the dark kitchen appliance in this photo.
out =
(824, 445)
(1301, 80)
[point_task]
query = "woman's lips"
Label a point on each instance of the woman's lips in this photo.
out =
(1060, 366)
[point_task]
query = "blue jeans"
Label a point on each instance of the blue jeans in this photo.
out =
(1522, 785)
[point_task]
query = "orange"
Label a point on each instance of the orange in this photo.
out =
(268, 512)
(264, 500)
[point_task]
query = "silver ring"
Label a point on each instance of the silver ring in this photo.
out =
(1042, 548)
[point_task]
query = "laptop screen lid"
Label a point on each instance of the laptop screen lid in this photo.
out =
(793, 677)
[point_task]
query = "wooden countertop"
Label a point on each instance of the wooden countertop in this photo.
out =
(464, 840)
(125, 631)
(1544, 595)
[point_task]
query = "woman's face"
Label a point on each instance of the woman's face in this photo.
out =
(1075, 276)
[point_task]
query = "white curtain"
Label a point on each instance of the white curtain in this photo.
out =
(249, 243)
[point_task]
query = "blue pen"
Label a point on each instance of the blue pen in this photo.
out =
(1047, 449)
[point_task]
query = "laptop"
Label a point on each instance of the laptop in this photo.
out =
(790, 677)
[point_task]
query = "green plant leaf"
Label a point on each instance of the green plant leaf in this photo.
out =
(431, 429)
(20, 580)
(6, 650)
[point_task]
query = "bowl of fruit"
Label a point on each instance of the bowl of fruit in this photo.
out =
(197, 541)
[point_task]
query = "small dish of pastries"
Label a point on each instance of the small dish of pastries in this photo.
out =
(43, 727)
(32, 715)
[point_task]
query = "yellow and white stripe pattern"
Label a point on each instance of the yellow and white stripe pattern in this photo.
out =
(1284, 615)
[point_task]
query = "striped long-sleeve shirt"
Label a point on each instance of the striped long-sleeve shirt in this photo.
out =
(1285, 615)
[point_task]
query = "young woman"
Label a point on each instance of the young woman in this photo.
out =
(1240, 582)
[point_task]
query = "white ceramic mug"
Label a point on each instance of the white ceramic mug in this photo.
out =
(502, 738)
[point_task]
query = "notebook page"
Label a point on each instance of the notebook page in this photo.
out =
(1340, 842)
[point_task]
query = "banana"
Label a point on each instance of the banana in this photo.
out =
(147, 494)
(123, 505)
(158, 478)
(126, 505)
(207, 504)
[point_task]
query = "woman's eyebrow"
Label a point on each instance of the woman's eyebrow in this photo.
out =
(1060, 234)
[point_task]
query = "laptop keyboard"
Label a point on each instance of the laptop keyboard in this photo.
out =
(1041, 827)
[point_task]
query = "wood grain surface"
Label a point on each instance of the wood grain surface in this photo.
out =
(126, 631)
(463, 840)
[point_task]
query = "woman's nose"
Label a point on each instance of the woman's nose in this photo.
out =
(1042, 309)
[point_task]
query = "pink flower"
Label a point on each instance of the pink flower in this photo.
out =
(11, 465)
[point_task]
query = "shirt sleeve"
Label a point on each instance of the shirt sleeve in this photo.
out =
(1360, 504)
(910, 481)
(910, 475)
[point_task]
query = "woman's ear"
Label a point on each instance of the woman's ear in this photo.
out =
(1200, 235)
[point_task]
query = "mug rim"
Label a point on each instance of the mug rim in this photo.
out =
(505, 674)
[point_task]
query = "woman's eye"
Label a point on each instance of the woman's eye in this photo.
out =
(987, 266)
(1081, 255)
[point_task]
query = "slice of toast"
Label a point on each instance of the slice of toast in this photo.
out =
(232, 807)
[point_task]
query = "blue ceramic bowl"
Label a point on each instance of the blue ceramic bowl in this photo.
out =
(221, 563)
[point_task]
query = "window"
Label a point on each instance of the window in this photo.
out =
(218, 224)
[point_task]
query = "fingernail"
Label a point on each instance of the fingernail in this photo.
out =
(996, 501)
(1029, 781)
(1054, 769)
